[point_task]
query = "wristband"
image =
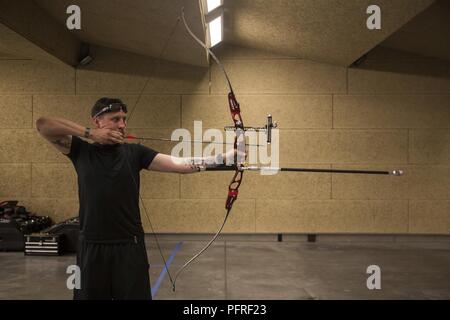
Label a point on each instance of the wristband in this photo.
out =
(87, 132)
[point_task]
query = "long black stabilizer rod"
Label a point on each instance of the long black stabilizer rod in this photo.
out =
(255, 168)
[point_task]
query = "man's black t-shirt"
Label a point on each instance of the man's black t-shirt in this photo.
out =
(109, 198)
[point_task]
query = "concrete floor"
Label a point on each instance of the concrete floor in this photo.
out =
(243, 267)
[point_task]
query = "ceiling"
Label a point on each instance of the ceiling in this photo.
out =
(428, 34)
(13, 45)
(138, 26)
(328, 31)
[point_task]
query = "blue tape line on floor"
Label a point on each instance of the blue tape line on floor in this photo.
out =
(164, 271)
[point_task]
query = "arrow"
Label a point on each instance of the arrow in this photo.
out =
(131, 137)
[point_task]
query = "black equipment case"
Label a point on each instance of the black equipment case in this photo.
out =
(42, 244)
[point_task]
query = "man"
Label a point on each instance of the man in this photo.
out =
(111, 254)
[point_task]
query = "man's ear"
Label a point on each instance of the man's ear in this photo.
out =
(95, 122)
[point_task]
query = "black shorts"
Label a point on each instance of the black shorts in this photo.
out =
(113, 271)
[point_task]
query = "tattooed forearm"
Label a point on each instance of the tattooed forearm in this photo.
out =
(62, 143)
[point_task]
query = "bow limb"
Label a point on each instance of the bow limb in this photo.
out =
(200, 42)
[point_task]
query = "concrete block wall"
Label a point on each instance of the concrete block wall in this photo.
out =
(390, 112)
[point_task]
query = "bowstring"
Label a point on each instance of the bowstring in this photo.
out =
(157, 63)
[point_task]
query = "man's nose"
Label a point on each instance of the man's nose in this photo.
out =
(122, 124)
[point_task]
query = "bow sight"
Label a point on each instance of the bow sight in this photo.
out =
(267, 128)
